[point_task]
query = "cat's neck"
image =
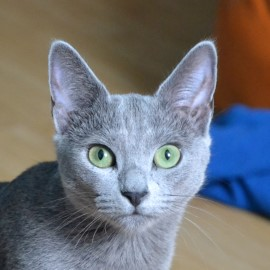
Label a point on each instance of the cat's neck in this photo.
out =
(151, 248)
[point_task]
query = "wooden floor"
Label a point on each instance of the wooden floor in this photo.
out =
(132, 46)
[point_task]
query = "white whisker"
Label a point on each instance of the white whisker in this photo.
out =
(204, 233)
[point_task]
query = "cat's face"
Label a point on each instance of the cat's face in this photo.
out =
(131, 159)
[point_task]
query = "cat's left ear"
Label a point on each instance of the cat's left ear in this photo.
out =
(191, 85)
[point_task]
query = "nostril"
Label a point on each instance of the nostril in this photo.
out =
(135, 198)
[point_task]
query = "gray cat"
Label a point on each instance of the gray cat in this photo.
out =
(127, 165)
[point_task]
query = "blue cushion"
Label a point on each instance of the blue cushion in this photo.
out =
(239, 169)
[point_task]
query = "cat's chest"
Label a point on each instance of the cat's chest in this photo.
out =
(122, 252)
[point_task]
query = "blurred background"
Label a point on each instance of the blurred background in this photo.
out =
(132, 46)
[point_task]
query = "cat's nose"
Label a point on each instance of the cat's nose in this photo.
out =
(135, 198)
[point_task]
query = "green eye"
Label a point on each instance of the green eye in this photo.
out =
(101, 157)
(167, 156)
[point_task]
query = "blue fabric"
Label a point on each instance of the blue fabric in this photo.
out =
(239, 170)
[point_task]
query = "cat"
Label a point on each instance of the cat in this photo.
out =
(127, 166)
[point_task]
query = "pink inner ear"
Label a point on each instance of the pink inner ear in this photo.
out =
(202, 83)
(200, 99)
(58, 91)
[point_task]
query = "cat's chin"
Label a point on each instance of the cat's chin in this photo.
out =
(134, 222)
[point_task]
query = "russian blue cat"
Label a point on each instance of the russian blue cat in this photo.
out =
(127, 166)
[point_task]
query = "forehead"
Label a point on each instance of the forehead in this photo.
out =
(131, 119)
(143, 120)
(134, 112)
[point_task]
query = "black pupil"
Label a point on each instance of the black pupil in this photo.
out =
(167, 154)
(100, 154)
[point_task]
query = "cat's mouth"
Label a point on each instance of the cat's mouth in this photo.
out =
(135, 221)
(136, 213)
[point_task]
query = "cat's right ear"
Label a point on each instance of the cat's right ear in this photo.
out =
(72, 83)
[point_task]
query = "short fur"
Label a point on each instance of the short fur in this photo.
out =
(70, 214)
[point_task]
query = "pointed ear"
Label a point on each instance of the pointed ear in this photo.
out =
(191, 85)
(72, 83)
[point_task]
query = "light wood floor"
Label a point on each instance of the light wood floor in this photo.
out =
(132, 46)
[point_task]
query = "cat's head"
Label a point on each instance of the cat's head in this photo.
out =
(132, 159)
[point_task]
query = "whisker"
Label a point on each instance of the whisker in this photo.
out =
(179, 195)
(82, 221)
(67, 221)
(195, 247)
(204, 233)
(197, 197)
(217, 219)
(87, 227)
(96, 231)
(105, 227)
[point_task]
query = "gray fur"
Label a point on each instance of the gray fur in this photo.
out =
(70, 214)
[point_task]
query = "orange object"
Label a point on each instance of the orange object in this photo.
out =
(243, 39)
